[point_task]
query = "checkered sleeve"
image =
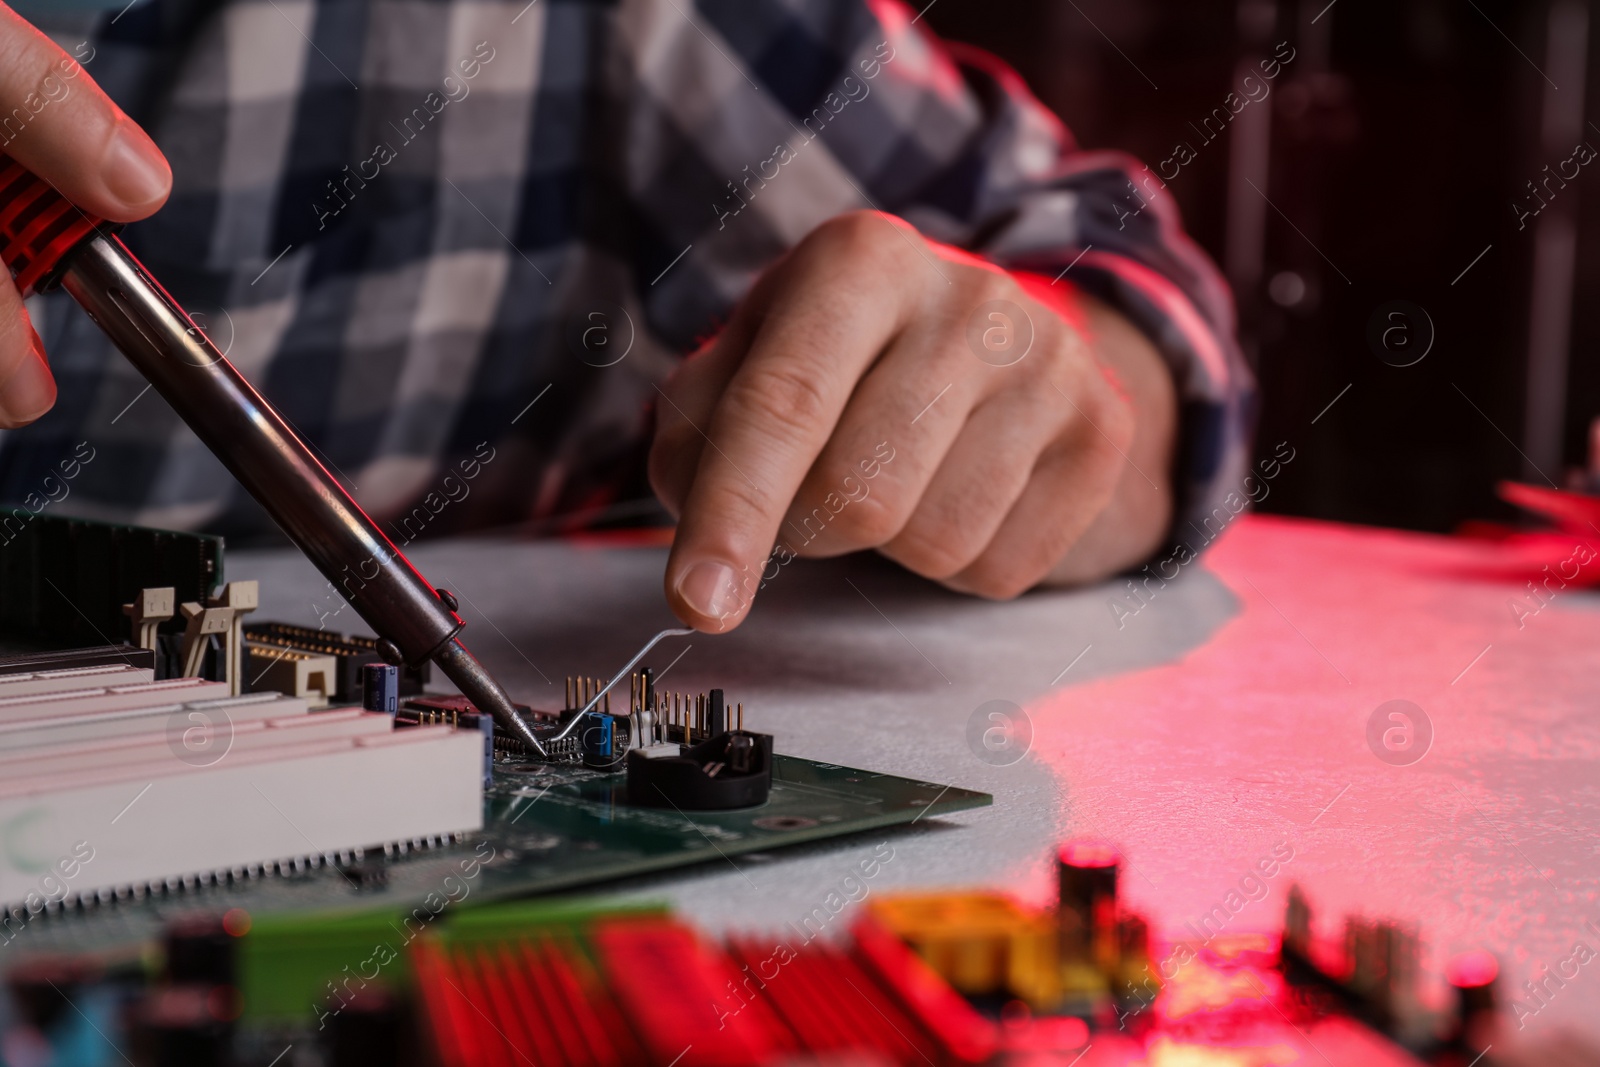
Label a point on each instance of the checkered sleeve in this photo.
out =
(869, 109)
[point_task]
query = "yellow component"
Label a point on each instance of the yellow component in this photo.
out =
(1033, 972)
(981, 943)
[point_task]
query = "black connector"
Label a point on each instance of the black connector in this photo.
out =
(732, 769)
(350, 652)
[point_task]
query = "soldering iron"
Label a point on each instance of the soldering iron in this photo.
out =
(46, 241)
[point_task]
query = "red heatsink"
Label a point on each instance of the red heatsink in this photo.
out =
(530, 1000)
(833, 1007)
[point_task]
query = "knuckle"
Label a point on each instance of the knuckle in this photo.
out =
(999, 578)
(22, 54)
(854, 229)
(864, 238)
(931, 550)
(739, 499)
(16, 339)
(786, 398)
(870, 522)
(16, 331)
(992, 283)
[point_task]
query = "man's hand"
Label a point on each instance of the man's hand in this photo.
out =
(876, 390)
(56, 122)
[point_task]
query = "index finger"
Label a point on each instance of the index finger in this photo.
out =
(57, 122)
(815, 341)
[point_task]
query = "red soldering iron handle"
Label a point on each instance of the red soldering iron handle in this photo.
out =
(38, 227)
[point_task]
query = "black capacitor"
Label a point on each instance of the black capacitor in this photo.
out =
(199, 949)
(647, 680)
(380, 687)
(372, 1029)
(1475, 978)
(1086, 873)
(716, 714)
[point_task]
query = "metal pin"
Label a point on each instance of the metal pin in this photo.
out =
(631, 664)
(608, 702)
(569, 691)
(741, 716)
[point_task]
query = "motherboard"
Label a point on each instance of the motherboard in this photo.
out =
(632, 781)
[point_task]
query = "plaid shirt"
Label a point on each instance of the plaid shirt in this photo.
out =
(446, 232)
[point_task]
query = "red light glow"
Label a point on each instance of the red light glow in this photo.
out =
(1473, 970)
(1086, 852)
(236, 921)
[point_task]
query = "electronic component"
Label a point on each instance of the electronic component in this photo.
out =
(292, 672)
(456, 711)
(351, 653)
(149, 610)
(96, 656)
(1373, 973)
(729, 767)
(1475, 978)
(238, 599)
(253, 781)
(64, 581)
(380, 687)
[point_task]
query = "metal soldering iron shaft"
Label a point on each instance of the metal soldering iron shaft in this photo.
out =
(413, 622)
(462, 668)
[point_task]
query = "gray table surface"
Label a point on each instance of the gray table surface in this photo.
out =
(1225, 718)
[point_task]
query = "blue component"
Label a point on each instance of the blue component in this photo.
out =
(595, 737)
(380, 687)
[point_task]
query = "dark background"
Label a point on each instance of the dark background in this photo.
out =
(1396, 143)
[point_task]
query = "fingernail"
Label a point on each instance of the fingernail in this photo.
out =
(29, 392)
(710, 588)
(133, 169)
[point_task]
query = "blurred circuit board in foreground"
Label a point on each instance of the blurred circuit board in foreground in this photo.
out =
(936, 978)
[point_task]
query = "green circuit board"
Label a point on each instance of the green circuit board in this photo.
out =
(547, 828)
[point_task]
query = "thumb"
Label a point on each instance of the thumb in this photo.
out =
(57, 122)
